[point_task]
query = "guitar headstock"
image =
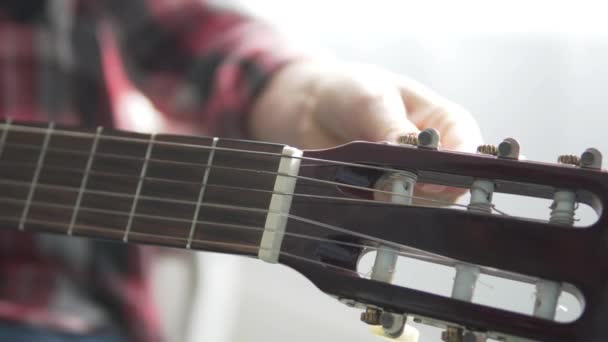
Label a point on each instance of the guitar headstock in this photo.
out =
(336, 219)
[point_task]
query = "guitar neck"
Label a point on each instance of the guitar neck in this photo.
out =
(177, 191)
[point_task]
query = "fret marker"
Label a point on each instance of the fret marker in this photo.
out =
(39, 165)
(280, 204)
(201, 194)
(85, 177)
(125, 238)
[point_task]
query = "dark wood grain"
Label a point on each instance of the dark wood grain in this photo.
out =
(239, 182)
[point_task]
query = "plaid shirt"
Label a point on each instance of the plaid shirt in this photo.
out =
(79, 62)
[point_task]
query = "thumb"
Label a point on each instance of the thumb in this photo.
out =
(387, 120)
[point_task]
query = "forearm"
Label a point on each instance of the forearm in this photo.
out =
(199, 64)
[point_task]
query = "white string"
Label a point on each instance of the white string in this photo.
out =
(233, 244)
(315, 180)
(240, 208)
(166, 143)
(404, 249)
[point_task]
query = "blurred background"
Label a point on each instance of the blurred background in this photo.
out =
(535, 71)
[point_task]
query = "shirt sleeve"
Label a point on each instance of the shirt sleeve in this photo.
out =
(198, 64)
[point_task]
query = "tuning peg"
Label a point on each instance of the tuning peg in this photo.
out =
(481, 196)
(509, 149)
(429, 138)
(401, 186)
(452, 334)
(563, 208)
(408, 139)
(371, 316)
(562, 212)
(487, 149)
(568, 159)
(392, 324)
(466, 276)
(591, 159)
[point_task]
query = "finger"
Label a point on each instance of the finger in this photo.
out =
(365, 114)
(459, 131)
(425, 108)
(315, 136)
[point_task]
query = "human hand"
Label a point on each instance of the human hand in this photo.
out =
(318, 105)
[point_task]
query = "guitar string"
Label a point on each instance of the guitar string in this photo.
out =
(262, 211)
(275, 154)
(224, 206)
(197, 184)
(403, 252)
(328, 162)
(58, 131)
(202, 241)
(188, 202)
(315, 180)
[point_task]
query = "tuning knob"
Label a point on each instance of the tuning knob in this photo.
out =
(509, 149)
(371, 316)
(429, 138)
(591, 159)
(393, 325)
(452, 334)
(408, 139)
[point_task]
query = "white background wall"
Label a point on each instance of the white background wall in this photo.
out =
(532, 70)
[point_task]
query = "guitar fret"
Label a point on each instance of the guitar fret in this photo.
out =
(201, 193)
(138, 190)
(7, 125)
(39, 165)
(85, 178)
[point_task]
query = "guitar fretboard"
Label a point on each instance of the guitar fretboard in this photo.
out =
(187, 192)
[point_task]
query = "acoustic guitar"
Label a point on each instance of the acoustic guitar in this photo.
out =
(319, 212)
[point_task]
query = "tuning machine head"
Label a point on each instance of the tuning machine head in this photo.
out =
(429, 139)
(569, 159)
(408, 139)
(591, 158)
(508, 149)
